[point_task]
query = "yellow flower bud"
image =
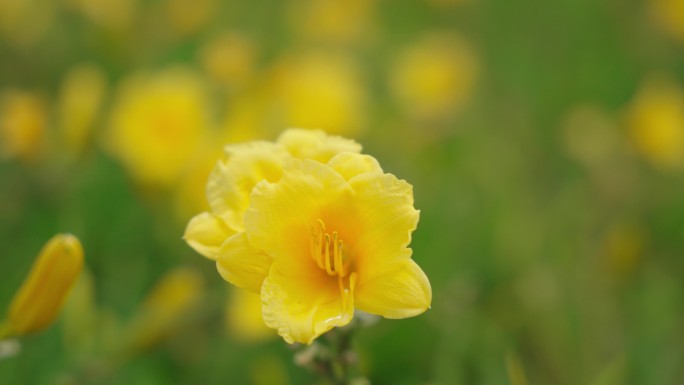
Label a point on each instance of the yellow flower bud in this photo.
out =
(39, 299)
(23, 118)
(165, 308)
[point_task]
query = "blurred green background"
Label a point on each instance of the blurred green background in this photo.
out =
(544, 141)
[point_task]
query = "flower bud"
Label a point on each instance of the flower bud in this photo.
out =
(40, 297)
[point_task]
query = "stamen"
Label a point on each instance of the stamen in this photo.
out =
(335, 253)
(328, 250)
(328, 268)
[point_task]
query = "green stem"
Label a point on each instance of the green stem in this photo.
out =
(341, 350)
(334, 356)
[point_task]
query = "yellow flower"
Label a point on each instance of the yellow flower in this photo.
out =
(39, 299)
(187, 17)
(178, 292)
(79, 103)
(22, 125)
(655, 119)
(229, 59)
(115, 15)
(158, 124)
(317, 229)
(319, 90)
(25, 22)
(331, 20)
(434, 77)
(231, 182)
(669, 14)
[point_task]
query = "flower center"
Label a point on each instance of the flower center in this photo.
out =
(328, 251)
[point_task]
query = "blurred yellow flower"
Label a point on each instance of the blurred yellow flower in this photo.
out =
(317, 229)
(331, 20)
(655, 119)
(434, 77)
(229, 59)
(165, 307)
(39, 299)
(23, 118)
(319, 90)
(110, 14)
(158, 124)
(243, 317)
(669, 15)
(187, 17)
(79, 103)
(24, 22)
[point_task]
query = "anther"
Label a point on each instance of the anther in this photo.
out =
(328, 250)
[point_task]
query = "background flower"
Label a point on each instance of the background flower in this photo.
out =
(158, 123)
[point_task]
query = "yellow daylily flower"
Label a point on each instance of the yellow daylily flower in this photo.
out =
(115, 15)
(434, 77)
(25, 22)
(188, 17)
(79, 103)
(316, 235)
(669, 15)
(229, 59)
(231, 182)
(319, 89)
(331, 20)
(39, 299)
(655, 120)
(176, 293)
(158, 124)
(23, 117)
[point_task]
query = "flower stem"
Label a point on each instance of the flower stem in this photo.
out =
(332, 357)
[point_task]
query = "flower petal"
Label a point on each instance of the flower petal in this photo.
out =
(206, 233)
(403, 292)
(231, 182)
(303, 309)
(385, 217)
(241, 264)
(315, 144)
(349, 164)
(281, 215)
